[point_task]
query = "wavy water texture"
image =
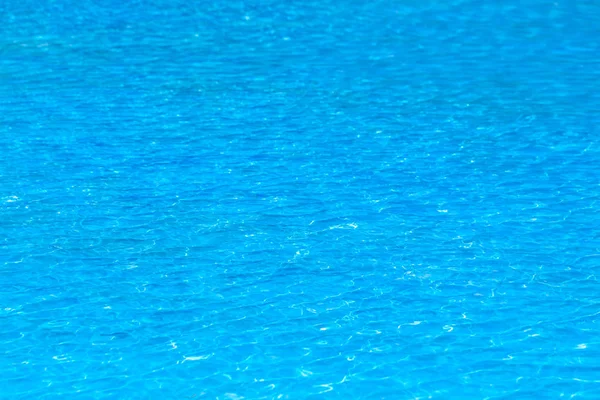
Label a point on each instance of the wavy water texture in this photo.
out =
(288, 200)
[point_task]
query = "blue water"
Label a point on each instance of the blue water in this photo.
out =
(305, 199)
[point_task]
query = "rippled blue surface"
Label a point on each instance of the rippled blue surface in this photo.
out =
(307, 199)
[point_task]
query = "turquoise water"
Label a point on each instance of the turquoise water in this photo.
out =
(290, 200)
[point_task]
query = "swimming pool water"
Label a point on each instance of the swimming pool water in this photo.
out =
(299, 199)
